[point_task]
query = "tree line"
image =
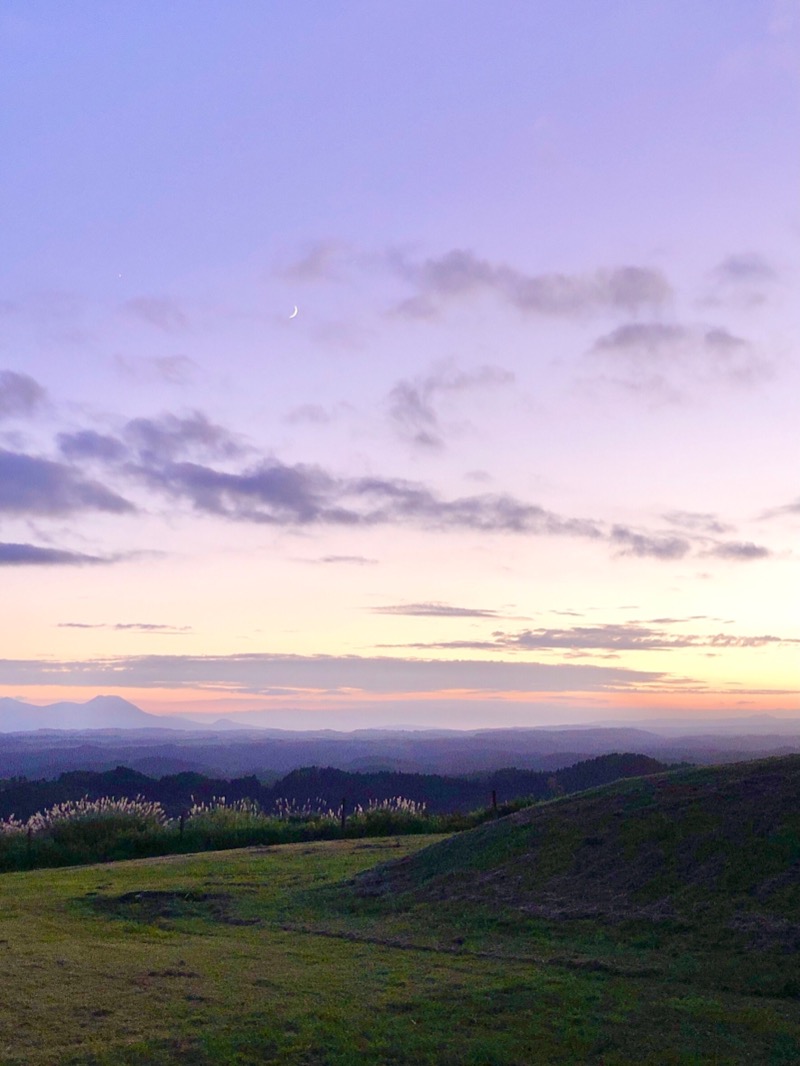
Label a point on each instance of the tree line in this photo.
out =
(440, 793)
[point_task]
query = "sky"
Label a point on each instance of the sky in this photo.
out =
(526, 453)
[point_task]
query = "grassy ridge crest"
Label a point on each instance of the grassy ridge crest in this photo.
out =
(677, 845)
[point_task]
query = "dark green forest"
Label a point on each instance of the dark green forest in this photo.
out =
(325, 786)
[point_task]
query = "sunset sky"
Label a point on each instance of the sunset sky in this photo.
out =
(528, 451)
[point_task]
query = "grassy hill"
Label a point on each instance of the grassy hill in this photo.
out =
(721, 842)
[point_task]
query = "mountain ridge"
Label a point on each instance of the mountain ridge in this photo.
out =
(99, 712)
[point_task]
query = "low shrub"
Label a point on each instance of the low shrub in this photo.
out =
(110, 829)
(389, 817)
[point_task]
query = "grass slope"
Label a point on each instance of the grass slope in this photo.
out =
(719, 842)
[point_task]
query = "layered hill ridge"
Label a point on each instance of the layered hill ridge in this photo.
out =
(440, 794)
(695, 845)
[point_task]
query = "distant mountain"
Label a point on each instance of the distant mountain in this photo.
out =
(109, 731)
(102, 712)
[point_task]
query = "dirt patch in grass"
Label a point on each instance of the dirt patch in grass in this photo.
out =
(154, 906)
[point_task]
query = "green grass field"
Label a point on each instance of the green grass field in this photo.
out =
(268, 956)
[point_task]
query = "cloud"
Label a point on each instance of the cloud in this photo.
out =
(173, 369)
(701, 525)
(630, 637)
(411, 402)
(787, 509)
(660, 340)
(354, 560)
(170, 436)
(304, 676)
(31, 555)
(738, 551)
(29, 485)
(139, 627)
(154, 441)
(311, 413)
(320, 263)
(157, 311)
(302, 495)
(459, 273)
(640, 338)
(696, 522)
(176, 369)
(626, 637)
(399, 500)
(661, 358)
(744, 267)
(269, 492)
(415, 307)
(610, 638)
(87, 444)
(20, 395)
(168, 455)
(434, 610)
(733, 359)
(277, 494)
(413, 415)
(644, 545)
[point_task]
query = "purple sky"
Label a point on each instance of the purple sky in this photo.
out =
(528, 452)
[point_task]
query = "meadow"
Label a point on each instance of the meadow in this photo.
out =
(258, 956)
(414, 950)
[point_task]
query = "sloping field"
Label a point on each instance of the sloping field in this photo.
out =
(295, 956)
(712, 843)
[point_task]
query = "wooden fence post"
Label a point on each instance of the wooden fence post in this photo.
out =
(344, 814)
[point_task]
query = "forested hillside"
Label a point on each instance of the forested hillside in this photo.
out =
(441, 794)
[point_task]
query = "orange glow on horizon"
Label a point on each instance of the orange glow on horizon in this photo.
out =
(575, 704)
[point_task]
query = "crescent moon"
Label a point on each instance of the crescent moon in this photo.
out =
(294, 313)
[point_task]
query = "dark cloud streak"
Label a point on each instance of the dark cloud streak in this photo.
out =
(434, 610)
(738, 551)
(139, 627)
(613, 638)
(277, 494)
(30, 485)
(32, 555)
